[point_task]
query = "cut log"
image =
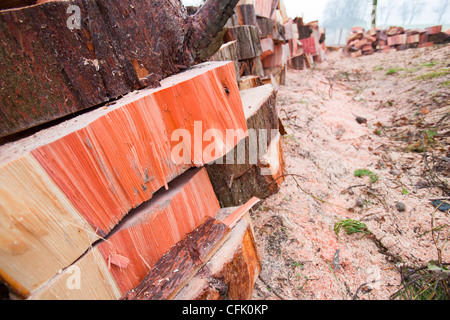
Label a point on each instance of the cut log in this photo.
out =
(309, 46)
(283, 12)
(288, 34)
(229, 52)
(297, 62)
(279, 58)
(249, 82)
(414, 38)
(181, 263)
(41, 231)
(267, 47)
(265, 8)
(249, 45)
(53, 67)
(152, 229)
(265, 26)
(95, 281)
(278, 32)
(64, 185)
(132, 249)
(367, 49)
(251, 67)
(434, 30)
(392, 31)
(397, 40)
(232, 271)
(296, 47)
(239, 177)
(245, 15)
(439, 38)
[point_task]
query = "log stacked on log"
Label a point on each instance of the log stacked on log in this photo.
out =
(132, 250)
(83, 176)
(229, 52)
(232, 271)
(243, 28)
(276, 32)
(312, 39)
(118, 201)
(52, 67)
(226, 244)
(254, 167)
(280, 40)
(298, 45)
(360, 42)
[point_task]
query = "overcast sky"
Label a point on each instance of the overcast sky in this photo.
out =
(312, 10)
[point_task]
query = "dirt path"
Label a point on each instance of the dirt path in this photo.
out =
(404, 96)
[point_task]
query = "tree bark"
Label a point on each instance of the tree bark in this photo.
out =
(181, 263)
(249, 43)
(50, 70)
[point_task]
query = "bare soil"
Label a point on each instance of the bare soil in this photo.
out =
(405, 98)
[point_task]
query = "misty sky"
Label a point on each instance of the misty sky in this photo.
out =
(312, 10)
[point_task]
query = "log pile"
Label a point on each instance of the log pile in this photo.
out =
(268, 41)
(124, 200)
(361, 42)
(250, 169)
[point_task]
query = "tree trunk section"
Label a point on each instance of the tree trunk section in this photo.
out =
(249, 45)
(50, 70)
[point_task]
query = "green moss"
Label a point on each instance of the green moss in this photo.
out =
(367, 173)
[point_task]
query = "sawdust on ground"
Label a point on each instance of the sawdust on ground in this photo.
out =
(405, 98)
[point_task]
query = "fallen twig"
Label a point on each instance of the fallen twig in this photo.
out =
(362, 286)
(271, 288)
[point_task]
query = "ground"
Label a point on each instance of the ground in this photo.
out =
(368, 141)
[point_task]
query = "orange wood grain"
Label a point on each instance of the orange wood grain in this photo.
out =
(157, 226)
(118, 160)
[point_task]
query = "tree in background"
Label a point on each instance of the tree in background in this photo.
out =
(347, 13)
(374, 13)
(386, 9)
(441, 9)
(410, 10)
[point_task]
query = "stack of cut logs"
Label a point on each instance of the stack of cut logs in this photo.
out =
(360, 42)
(312, 47)
(263, 41)
(109, 133)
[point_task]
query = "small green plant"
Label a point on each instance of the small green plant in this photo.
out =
(296, 264)
(429, 64)
(351, 227)
(405, 192)
(367, 173)
(434, 74)
(378, 68)
(391, 71)
(430, 134)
